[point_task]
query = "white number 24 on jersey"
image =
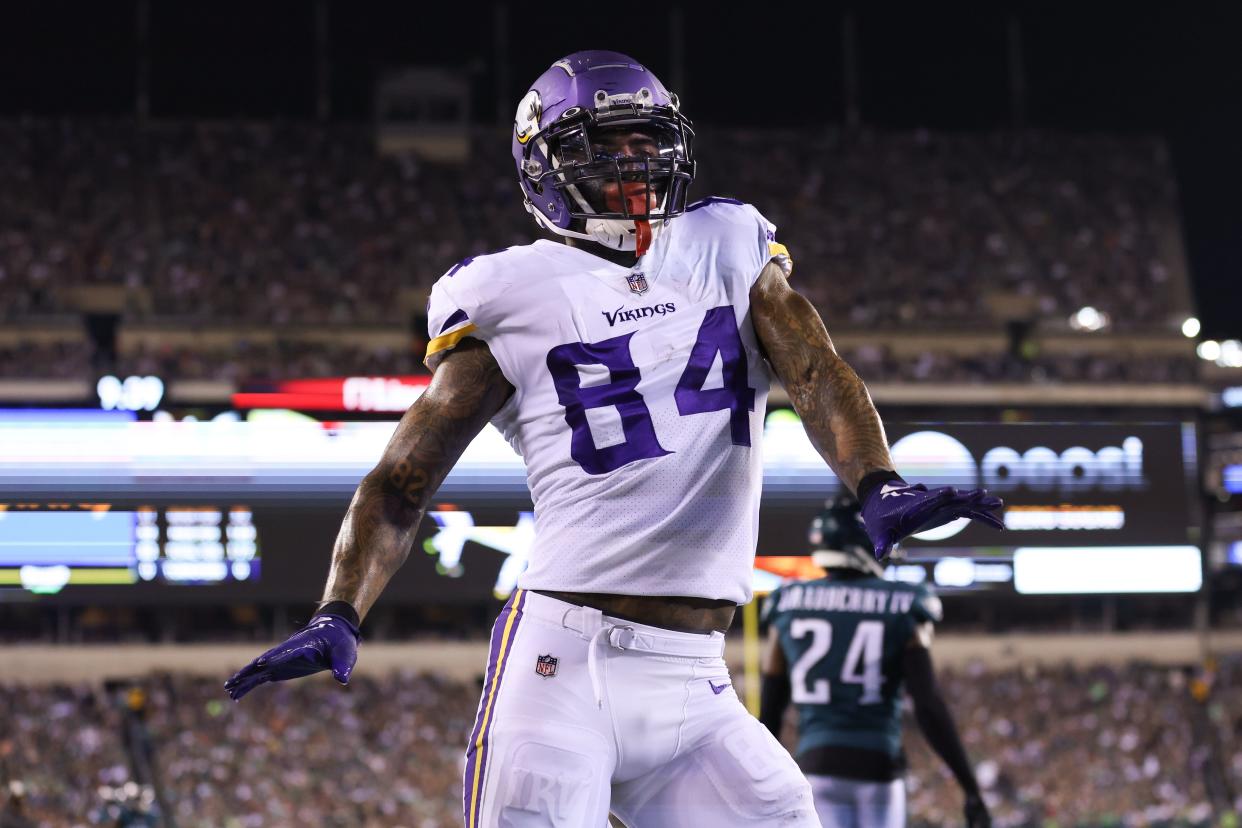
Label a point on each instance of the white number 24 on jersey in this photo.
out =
(866, 652)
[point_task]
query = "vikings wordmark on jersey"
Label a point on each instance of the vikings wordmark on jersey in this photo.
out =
(639, 422)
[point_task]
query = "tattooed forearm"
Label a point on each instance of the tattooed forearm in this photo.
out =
(376, 535)
(832, 401)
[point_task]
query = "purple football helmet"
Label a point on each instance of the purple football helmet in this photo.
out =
(603, 151)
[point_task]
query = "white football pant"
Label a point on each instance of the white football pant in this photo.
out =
(583, 713)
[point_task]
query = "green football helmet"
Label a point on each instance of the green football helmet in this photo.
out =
(839, 539)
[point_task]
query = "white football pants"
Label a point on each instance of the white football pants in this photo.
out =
(583, 713)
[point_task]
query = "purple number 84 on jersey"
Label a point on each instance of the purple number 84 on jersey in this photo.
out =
(622, 392)
(718, 334)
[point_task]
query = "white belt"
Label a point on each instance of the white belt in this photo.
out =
(606, 631)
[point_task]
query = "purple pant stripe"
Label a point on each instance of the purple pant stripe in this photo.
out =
(495, 676)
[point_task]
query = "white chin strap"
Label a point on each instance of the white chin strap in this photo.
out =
(618, 234)
(615, 234)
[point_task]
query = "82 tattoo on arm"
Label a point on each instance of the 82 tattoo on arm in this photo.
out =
(410, 480)
(375, 538)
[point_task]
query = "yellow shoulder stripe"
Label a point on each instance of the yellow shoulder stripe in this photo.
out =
(780, 254)
(445, 341)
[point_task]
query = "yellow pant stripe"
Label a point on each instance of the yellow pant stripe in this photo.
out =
(505, 641)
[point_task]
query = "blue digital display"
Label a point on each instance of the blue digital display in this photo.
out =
(64, 415)
(46, 547)
(71, 538)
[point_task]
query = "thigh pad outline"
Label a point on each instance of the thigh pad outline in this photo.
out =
(546, 775)
(755, 775)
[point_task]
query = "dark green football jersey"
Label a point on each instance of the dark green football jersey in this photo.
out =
(843, 639)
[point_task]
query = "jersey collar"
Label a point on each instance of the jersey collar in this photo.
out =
(616, 276)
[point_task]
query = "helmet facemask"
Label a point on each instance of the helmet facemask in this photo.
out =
(621, 175)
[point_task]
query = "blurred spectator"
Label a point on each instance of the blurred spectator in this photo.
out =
(13, 813)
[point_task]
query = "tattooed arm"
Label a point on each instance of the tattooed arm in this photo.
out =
(832, 401)
(375, 538)
(841, 421)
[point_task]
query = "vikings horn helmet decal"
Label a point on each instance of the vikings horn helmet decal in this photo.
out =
(568, 138)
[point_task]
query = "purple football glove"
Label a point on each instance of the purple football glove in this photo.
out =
(327, 642)
(894, 510)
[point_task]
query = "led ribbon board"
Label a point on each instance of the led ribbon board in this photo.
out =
(1066, 485)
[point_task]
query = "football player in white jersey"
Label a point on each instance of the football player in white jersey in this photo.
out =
(629, 366)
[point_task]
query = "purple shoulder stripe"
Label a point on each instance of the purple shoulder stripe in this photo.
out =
(454, 318)
(463, 263)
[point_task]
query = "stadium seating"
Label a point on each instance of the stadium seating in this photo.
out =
(268, 230)
(1075, 746)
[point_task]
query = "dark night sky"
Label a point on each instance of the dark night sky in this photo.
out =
(1088, 66)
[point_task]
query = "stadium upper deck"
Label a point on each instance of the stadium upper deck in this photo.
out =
(266, 230)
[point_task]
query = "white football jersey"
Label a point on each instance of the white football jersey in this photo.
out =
(639, 402)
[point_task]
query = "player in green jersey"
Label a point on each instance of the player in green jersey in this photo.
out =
(842, 648)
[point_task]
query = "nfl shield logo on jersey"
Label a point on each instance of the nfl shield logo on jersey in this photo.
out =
(545, 665)
(638, 283)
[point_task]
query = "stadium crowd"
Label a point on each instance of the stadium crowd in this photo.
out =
(919, 229)
(282, 359)
(1070, 746)
(383, 754)
(267, 224)
(282, 224)
(876, 363)
(1063, 746)
(47, 360)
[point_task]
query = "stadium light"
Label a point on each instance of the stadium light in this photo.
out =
(1230, 354)
(1208, 349)
(1190, 328)
(1089, 319)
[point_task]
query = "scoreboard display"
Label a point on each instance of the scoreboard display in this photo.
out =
(45, 547)
(131, 509)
